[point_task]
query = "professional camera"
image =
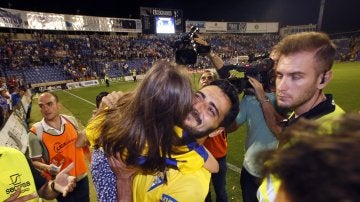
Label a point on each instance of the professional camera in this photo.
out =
(259, 67)
(186, 49)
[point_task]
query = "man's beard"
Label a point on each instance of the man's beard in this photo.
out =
(194, 133)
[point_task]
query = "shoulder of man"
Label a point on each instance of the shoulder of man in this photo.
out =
(71, 119)
(37, 129)
(326, 121)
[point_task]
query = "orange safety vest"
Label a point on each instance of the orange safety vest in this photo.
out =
(62, 149)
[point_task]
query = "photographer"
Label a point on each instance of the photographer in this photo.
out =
(259, 137)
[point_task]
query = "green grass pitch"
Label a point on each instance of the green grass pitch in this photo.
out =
(80, 102)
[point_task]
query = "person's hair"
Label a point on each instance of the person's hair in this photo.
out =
(319, 42)
(274, 54)
(230, 91)
(214, 74)
(142, 123)
(319, 167)
(99, 97)
(51, 93)
(22, 88)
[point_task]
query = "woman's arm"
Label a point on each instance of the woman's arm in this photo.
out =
(211, 164)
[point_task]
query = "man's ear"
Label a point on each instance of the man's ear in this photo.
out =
(217, 132)
(325, 78)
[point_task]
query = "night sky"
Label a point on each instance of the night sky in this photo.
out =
(339, 15)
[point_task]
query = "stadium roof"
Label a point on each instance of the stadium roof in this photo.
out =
(339, 15)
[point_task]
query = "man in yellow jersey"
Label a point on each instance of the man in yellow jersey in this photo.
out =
(217, 146)
(303, 70)
(52, 146)
(215, 105)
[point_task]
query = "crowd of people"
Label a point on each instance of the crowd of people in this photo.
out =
(83, 57)
(11, 92)
(164, 141)
(87, 55)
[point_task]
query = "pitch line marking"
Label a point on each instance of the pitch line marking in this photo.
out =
(233, 168)
(91, 103)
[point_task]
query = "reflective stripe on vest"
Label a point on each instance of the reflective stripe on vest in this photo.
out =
(268, 189)
(15, 173)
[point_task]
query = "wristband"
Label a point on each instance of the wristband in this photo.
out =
(52, 185)
(265, 99)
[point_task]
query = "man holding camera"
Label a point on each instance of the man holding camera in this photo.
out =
(259, 137)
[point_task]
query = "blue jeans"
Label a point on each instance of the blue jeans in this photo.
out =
(249, 186)
(219, 182)
(80, 193)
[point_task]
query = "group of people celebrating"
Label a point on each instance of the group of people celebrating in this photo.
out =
(164, 141)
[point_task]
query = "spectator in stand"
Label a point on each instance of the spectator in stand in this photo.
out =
(4, 103)
(16, 94)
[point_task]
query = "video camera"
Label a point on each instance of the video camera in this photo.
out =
(260, 67)
(186, 49)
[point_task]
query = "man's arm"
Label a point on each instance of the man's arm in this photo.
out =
(49, 168)
(82, 140)
(63, 183)
(35, 153)
(272, 117)
(216, 61)
(110, 100)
